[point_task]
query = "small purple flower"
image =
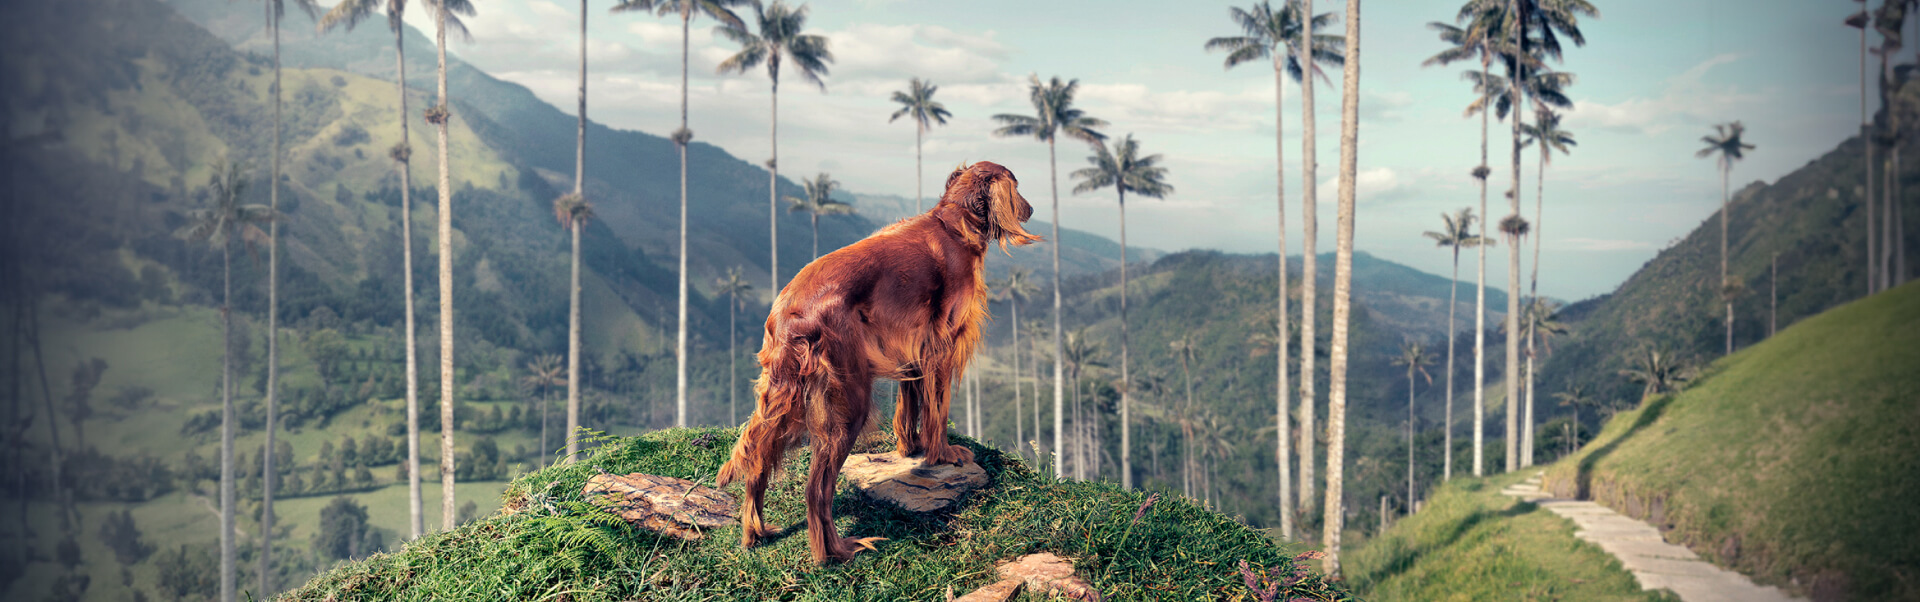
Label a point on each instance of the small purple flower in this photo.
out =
(1142, 512)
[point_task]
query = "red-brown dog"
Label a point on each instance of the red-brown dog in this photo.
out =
(905, 304)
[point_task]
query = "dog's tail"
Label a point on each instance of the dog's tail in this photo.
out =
(795, 375)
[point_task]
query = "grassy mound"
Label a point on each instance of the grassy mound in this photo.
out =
(1793, 461)
(564, 547)
(1469, 542)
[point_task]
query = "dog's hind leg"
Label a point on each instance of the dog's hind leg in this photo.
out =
(764, 441)
(833, 426)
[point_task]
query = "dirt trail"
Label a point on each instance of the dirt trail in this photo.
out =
(1654, 562)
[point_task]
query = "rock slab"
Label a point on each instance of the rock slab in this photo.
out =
(909, 483)
(1048, 574)
(667, 505)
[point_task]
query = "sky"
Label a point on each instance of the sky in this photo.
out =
(1654, 76)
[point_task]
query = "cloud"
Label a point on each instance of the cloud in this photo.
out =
(1685, 99)
(1376, 185)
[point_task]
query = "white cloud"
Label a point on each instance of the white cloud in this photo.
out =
(1379, 184)
(1685, 99)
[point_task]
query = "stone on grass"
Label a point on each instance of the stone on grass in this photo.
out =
(908, 483)
(666, 505)
(1047, 574)
(1001, 591)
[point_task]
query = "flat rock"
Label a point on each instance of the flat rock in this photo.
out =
(1049, 574)
(1001, 591)
(667, 505)
(908, 483)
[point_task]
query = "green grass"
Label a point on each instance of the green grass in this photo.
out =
(1469, 542)
(1179, 551)
(1792, 461)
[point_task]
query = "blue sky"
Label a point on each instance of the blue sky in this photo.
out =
(1654, 76)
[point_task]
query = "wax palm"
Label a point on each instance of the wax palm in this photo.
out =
(350, 13)
(776, 38)
(573, 211)
(1575, 398)
(222, 224)
(1466, 43)
(1659, 370)
(1546, 133)
(1859, 21)
(686, 10)
(1184, 347)
(1016, 287)
(1456, 233)
(440, 115)
(1124, 170)
(736, 288)
(544, 373)
(917, 104)
(1335, 507)
(1725, 143)
(819, 201)
(1537, 319)
(1215, 443)
(1054, 116)
(1079, 353)
(1415, 356)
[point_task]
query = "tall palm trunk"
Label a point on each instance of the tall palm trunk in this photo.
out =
(1410, 438)
(546, 397)
(1725, 167)
(273, 330)
(1480, 283)
(1019, 431)
(681, 139)
(773, 174)
(813, 219)
(573, 227)
(416, 518)
(733, 358)
(1309, 272)
(1059, 385)
(62, 494)
(1453, 327)
(1866, 140)
(1126, 380)
(447, 508)
(1342, 294)
(919, 173)
(226, 424)
(1533, 294)
(1283, 442)
(1511, 376)
(1186, 428)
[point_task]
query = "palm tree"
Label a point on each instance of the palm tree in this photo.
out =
(1054, 116)
(1515, 228)
(439, 115)
(1016, 287)
(1539, 323)
(1545, 130)
(1575, 398)
(543, 374)
(1859, 21)
(1469, 43)
(1278, 339)
(220, 225)
(1276, 36)
(1124, 170)
(1890, 21)
(1184, 347)
(350, 13)
(276, 10)
(819, 202)
(1659, 370)
(687, 9)
(734, 286)
(917, 103)
(1081, 352)
(1342, 291)
(1725, 142)
(1416, 358)
(778, 39)
(1456, 233)
(573, 211)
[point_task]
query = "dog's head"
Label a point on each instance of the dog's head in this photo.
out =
(991, 195)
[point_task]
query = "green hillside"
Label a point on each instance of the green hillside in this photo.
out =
(1177, 550)
(1791, 461)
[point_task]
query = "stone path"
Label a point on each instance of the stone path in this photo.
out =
(1654, 562)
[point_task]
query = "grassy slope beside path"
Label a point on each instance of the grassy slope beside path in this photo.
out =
(561, 545)
(1469, 542)
(1793, 461)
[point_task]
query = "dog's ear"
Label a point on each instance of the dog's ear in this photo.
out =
(957, 170)
(1005, 210)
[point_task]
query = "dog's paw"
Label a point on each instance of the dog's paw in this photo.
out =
(848, 546)
(949, 454)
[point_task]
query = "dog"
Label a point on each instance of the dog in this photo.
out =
(906, 304)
